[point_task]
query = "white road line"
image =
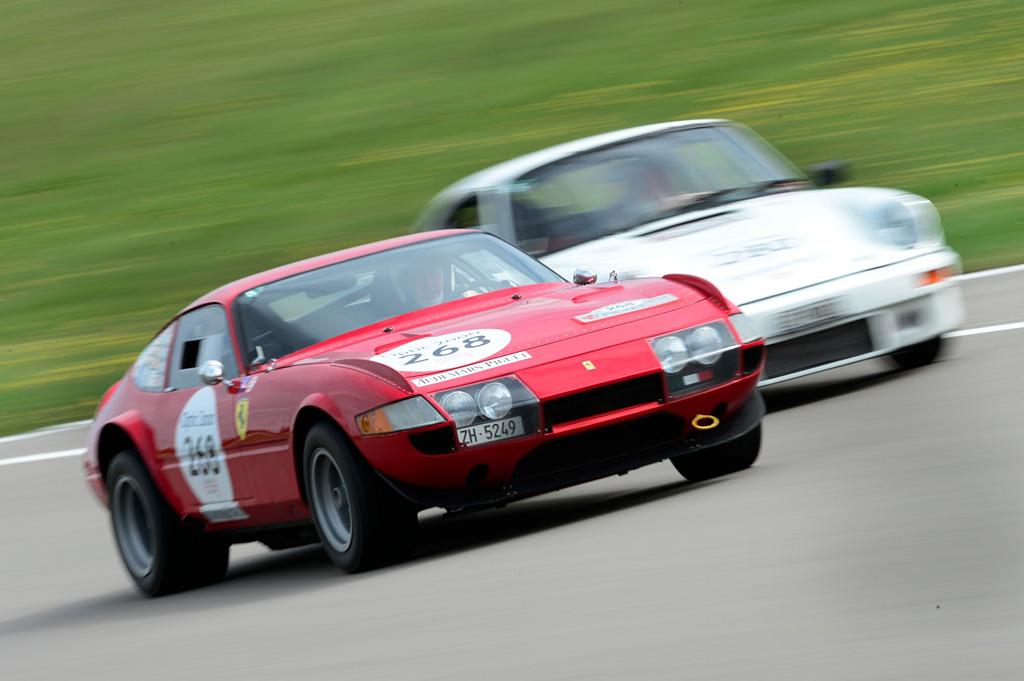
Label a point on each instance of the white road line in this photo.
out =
(984, 329)
(42, 457)
(43, 431)
(1010, 269)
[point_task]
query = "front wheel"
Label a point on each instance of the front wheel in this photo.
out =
(914, 356)
(728, 457)
(161, 555)
(361, 522)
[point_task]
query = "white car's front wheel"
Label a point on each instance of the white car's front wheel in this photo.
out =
(914, 356)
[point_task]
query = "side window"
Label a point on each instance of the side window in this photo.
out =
(202, 335)
(150, 369)
(465, 216)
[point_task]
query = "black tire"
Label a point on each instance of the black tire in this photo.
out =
(162, 556)
(722, 459)
(209, 561)
(362, 523)
(914, 356)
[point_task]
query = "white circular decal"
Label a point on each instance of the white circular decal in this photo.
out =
(446, 352)
(198, 446)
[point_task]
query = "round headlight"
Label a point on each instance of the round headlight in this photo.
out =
(495, 401)
(671, 352)
(899, 226)
(460, 406)
(706, 345)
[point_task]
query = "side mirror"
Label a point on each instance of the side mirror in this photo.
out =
(829, 173)
(211, 372)
(584, 276)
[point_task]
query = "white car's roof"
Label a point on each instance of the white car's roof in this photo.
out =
(512, 169)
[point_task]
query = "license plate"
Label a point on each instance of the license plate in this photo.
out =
(482, 433)
(808, 316)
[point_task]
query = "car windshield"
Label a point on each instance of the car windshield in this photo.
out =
(289, 314)
(615, 188)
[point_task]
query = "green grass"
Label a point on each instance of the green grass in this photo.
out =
(151, 151)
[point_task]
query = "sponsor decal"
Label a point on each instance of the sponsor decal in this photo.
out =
(247, 384)
(200, 453)
(625, 307)
(242, 417)
(465, 371)
(751, 250)
(438, 353)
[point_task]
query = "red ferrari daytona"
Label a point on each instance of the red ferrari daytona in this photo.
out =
(332, 399)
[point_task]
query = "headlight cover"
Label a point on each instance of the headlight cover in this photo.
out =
(407, 414)
(696, 358)
(906, 221)
(499, 409)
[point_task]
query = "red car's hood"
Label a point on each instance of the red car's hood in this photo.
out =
(501, 327)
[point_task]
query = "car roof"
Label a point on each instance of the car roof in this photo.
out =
(514, 168)
(228, 292)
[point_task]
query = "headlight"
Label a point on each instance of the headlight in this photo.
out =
(697, 358)
(495, 401)
(414, 412)
(493, 410)
(907, 221)
(460, 406)
(671, 352)
(706, 345)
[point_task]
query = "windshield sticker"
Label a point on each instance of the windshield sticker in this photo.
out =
(200, 454)
(625, 307)
(254, 293)
(519, 187)
(438, 353)
(465, 371)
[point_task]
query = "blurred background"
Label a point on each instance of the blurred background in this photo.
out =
(150, 151)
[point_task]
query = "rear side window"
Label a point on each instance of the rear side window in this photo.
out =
(150, 370)
(202, 336)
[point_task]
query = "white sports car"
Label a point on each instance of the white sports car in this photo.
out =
(829, 276)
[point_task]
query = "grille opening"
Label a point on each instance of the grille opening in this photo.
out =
(437, 441)
(597, 445)
(752, 359)
(817, 349)
(603, 400)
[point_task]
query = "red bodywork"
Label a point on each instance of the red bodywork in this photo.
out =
(336, 380)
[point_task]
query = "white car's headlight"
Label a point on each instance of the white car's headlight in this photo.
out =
(907, 220)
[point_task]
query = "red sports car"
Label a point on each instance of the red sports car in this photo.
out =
(334, 398)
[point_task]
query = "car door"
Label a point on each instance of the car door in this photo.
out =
(198, 442)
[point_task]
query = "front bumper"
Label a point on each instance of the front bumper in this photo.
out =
(590, 455)
(882, 310)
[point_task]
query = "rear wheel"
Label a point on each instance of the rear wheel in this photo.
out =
(361, 522)
(914, 356)
(722, 459)
(161, 555)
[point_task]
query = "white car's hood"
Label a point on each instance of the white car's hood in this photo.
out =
(752, 249)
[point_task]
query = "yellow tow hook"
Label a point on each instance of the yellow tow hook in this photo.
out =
(705, 421)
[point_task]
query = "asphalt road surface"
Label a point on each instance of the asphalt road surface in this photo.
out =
(879, 536)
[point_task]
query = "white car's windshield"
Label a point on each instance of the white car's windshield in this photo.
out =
(293, 313)
(614, 188)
